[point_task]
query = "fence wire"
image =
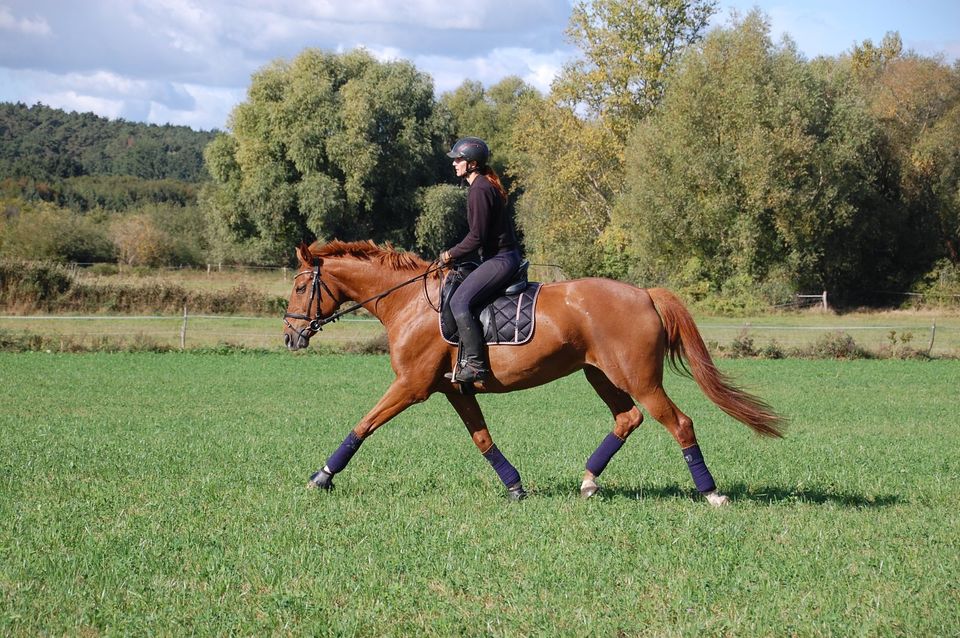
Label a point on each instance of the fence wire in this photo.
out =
(937, 336)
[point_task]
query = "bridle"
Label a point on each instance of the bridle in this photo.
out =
(317, 286)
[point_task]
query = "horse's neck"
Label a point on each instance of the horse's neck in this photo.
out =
(361, 280)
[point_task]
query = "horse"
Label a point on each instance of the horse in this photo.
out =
(618, 334)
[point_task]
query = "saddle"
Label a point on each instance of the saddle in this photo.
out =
(508, 319)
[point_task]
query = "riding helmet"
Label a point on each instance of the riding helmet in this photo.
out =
(472, 149)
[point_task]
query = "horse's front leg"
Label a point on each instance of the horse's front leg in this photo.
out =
(399, 396)
(469, 411)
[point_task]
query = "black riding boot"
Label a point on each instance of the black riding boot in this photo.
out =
(473, 354)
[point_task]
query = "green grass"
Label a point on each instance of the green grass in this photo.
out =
(163, 494)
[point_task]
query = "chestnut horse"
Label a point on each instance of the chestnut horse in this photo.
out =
(619, 335)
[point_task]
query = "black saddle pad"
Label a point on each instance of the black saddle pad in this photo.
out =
(507, 320)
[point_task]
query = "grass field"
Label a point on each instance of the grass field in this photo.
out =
(163, 494)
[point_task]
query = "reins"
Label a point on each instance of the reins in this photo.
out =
(317, 322)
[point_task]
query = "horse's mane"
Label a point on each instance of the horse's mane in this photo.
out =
(369, 251)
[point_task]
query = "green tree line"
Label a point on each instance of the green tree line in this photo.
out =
(77, 187)
(717, 162)
(47, 144)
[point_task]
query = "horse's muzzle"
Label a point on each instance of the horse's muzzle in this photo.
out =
(295, 341)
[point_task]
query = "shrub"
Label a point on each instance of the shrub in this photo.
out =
(834, 345)
(374, 345)
(52, 287)
(941, 286)
(105, 270)
(140, 243)
(772, 350)
(40, 231)
(742, 346)
(25, 284)
(898, 347)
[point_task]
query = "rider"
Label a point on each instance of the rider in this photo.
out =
(491, 232)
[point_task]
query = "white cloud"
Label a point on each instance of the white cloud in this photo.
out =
(28, 26)
(72, 101)
(190, 61)
(536, 69)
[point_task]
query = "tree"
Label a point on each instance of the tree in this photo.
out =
(443, 220)
(916, 101)
(45, 143)
(570, 178)
(628, 48)
(140, 242)
(757, 170)
(325, 145)
(935, 177)
(570, 145)
(490, 114)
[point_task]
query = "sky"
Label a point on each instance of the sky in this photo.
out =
(189, 62)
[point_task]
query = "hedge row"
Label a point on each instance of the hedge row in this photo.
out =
(50, 287)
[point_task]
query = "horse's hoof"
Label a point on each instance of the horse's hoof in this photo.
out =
(320, 480)
(717, 499)
(516, 493)
(588, 488)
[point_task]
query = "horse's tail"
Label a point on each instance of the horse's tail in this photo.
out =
(684, 340)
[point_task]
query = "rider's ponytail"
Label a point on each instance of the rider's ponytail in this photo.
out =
(494, 179)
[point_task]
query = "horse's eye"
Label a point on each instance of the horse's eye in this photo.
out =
(301, 289)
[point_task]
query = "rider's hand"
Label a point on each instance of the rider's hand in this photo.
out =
(444, 258)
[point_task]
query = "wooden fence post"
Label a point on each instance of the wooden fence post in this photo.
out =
(183, 329)
(933, 333)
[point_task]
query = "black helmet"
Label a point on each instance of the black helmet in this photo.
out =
(472, 149)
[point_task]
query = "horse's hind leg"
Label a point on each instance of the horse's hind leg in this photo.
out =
(681, 427)
(627, 418)
(469, 411)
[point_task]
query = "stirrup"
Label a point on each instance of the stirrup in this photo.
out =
(469, 373)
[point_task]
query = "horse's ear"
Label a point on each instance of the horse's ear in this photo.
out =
(304, 254)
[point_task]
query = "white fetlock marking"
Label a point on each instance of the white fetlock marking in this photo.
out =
(717, 499)
(588, 488)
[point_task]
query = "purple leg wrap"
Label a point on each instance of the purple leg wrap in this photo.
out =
(698, 469)
(339, 459)
(599, 459)
(507, 473)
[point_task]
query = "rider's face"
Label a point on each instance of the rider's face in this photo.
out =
(460, 167)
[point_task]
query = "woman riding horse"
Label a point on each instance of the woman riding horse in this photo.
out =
(491, 233)
(619, 335)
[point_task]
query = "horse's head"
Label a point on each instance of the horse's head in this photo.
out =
(311, 301)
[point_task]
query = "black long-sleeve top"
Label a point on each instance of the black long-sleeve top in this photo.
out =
(490, 226)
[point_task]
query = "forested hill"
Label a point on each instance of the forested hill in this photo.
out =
(44, 143)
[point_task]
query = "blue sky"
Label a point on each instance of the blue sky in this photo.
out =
(189, 61)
